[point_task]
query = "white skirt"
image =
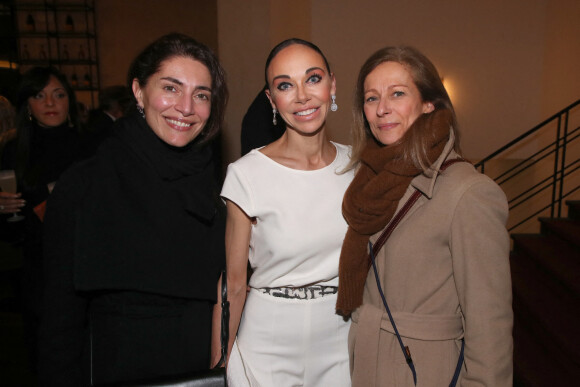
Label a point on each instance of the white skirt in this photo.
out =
(286, 342)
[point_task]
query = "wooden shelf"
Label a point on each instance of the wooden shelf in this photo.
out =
(60, 34)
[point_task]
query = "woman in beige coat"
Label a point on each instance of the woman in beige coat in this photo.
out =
(444, 270)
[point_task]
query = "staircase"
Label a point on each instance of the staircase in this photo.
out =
(546, 302)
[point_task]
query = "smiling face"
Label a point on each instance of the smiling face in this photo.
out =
(300, 87)
(392, 102)
(176, 100)
(50, 105)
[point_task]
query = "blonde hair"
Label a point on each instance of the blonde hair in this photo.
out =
(430, 87)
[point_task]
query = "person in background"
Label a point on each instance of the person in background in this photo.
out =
(444, 270)
(283, 203)
(46, 144)
(134, 235)
(258, 129)
(114, 103)
(83, 114)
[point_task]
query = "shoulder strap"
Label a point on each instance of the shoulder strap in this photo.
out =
(403, 211)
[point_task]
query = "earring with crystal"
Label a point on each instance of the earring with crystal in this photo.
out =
(274, 121)
(140, 110)
(333, 105)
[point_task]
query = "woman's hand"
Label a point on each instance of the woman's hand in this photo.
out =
(11, 202)
(238, 231)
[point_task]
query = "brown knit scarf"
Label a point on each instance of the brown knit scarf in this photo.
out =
(372, 198)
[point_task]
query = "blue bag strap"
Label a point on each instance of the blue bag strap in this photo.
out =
(406, 351)
(459, 364)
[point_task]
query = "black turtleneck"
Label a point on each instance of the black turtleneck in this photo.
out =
(148, 217)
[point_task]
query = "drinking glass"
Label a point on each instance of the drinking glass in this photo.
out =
(8, 184)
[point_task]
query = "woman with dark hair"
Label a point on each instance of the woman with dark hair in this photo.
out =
(284, 217)
(46, 144)
(134, 235)
(47, 137)
(444, 269)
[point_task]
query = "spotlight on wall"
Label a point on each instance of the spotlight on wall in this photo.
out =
(448, 85)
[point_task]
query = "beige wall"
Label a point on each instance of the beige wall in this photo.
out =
(561, 77)
(243, 37)
(480, 48)
(125, 27)
(507, 64)
(247, 32)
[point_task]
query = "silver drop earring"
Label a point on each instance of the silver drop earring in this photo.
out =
(274, 121)
(333, 105)
(140, 110)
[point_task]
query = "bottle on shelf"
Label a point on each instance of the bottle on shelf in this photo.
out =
(69, 24)
(65, 53)
(82, 55)
(42, 54)
(87, 79)
(30, 25)
(74, 80)
(25, 53)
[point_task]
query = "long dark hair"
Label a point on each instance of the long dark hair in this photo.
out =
(32, 82)
(149, 61)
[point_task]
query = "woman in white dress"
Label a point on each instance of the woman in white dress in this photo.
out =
(284, 216)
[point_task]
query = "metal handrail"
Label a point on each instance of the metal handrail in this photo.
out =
(559, 150)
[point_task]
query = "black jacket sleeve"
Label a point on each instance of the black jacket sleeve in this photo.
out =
(63, 334)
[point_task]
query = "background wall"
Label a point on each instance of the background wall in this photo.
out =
(561, 72)
(507, 64)
(488, 53)
(126, 27)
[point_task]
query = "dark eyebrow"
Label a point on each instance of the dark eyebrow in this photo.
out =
(281, 76)
(173, 80)
(178, 82)
(306, 72)
(314, 68)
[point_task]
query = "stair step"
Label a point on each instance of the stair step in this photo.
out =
(533, 365)
(573, 209)
(556, 258)
(567, 229)
(547, 309)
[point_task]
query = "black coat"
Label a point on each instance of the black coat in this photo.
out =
(112, 294)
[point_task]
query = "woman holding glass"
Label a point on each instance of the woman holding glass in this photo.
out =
(46, 144)
(134, 235)
(444, 270)
(284, 217)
